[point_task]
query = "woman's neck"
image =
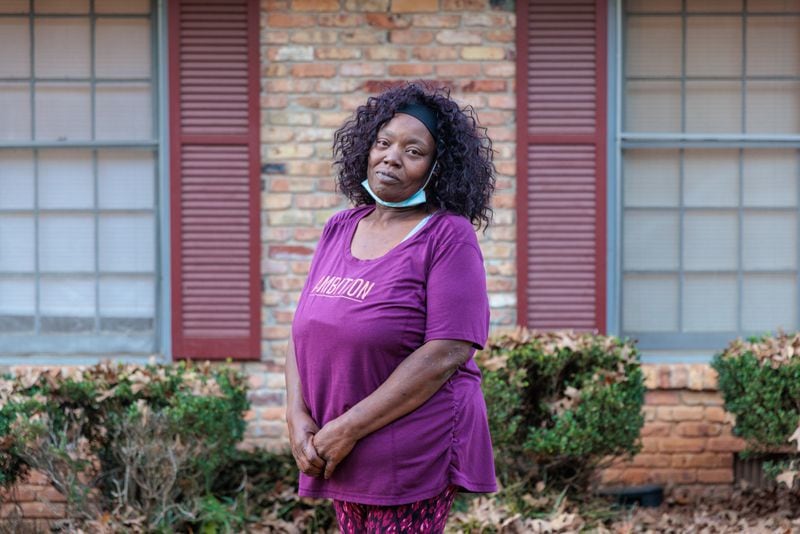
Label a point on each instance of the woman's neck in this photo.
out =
(386, 215)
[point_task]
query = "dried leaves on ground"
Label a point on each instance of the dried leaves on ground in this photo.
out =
(775, 511)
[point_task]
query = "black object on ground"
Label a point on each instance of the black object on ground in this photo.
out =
(647, 496)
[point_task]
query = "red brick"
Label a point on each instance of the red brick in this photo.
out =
(273, 413)
(500, 69)
(464, 5)
(337, 85)
(610, 476)
(275, 332)
(459, 70)
(283, 316)
(415, 69)
(315, 5)
(377, 86)
(275, 70)
(286, 283)
(315, 36)
(337, 52)
(300, 267)
(501, 36)
(366, 5)
(413, 6)
(485, 86)
(502, 101)
(698, 429)
(683, 413)
(434, 53)
(710, 378)
(657, 429)
(274, 101)
(332, 118)
(500, 284)
(717, 414)
(412, 37)
(651, 445)
(313, 70)
(506, 168)
(725, 444)
(652, 460)
(273, 267)
(316, 201)
(660, 397)
(274, 37)
(388, 21)
(504, 200)
(289, 20)
(634, 476)
(386, 53)
(436, 21)
(362, 69)
(288, 86)
(341, 20)
(290, 251)
(672, 476)
(682, 444)
(272, 234)
(362, 36)
(484, 53)
(715, 476)
(702, 397)
(307, 234)
(704, 460)
(316, 101)
(457, 37)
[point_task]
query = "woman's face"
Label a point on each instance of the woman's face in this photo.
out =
(400, 158)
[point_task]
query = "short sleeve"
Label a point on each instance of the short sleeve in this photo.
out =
(457, 302)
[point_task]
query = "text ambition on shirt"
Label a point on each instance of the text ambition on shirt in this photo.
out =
(343, 287)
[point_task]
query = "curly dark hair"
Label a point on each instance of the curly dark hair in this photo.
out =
(465, 177)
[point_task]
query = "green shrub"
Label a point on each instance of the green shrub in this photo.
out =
(560, 404)
(760, 381)
(137, 445)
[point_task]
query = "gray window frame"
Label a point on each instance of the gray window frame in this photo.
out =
(676, 347)
(79, 348)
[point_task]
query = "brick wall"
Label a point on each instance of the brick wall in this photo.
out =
(687, 443)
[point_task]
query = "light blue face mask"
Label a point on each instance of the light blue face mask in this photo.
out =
(414, 200)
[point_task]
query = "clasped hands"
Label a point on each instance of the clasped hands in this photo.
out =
(317, 451)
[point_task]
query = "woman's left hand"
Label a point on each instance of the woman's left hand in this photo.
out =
(333, 443)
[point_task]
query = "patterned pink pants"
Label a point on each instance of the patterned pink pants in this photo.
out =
(421, 517)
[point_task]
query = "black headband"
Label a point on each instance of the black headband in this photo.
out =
(424, 114)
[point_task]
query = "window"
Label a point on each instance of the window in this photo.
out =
(78, 176)
(709, 138)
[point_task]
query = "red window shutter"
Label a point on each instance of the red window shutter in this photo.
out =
(215, 178)
(561, 163)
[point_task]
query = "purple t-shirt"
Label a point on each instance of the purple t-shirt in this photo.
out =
(358, 319)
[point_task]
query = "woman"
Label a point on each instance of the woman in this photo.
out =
(385, 411)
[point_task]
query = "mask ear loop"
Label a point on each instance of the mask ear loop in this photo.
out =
(430, 175)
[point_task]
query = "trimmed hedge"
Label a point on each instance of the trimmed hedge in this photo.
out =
(560, 404)
(143, 445)
(760, 381)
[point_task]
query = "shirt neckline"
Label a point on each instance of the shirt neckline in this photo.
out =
(402, 244)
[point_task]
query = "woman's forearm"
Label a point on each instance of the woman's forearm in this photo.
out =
(294, 393)
(412, 383)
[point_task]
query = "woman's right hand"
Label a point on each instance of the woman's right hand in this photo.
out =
(301, 429)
